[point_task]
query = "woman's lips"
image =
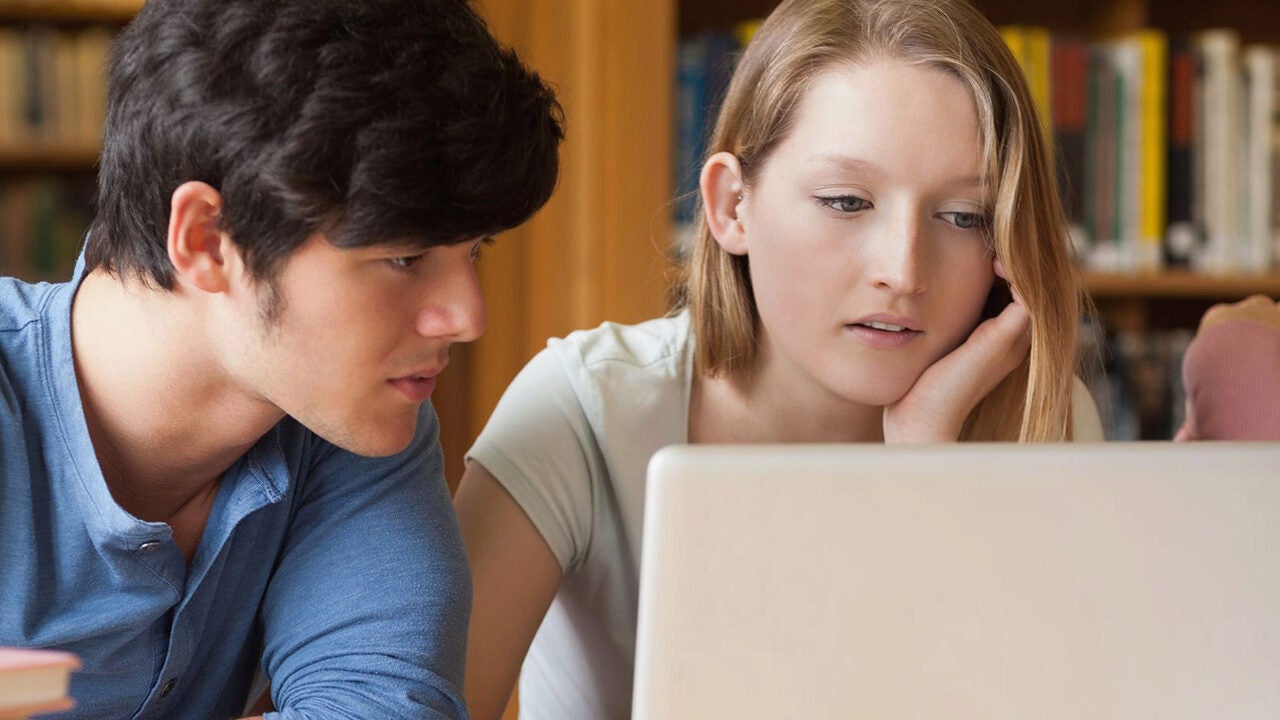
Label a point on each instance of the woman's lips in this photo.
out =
(882, 335)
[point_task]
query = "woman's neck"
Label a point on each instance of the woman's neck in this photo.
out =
(769, 408)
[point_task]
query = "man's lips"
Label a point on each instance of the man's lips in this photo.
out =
(417, 386)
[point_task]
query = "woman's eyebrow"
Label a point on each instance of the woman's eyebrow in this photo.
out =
(857, 165)
(847, 162)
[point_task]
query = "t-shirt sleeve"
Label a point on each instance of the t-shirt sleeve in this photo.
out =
(1231, 373)
(1086, 425)
(540, 446)
(366, 614)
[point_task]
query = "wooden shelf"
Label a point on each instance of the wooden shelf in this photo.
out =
(86, 11)
(48, 158)
(1182, 284)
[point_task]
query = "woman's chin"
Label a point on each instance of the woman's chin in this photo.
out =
(880, 393)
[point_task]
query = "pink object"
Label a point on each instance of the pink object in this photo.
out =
(12, 658)
(1232, 376)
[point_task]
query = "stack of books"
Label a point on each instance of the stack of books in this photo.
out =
(34, 682)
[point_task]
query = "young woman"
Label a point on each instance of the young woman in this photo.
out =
(878, 178)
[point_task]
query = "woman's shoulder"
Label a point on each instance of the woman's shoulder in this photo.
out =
(1085, 420)
(657, 342)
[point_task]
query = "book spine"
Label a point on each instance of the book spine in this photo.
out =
(1274, 146)
(1126, 59)
(1039, 49)
(1154, 49)
(1220, 115)
(1103, 172)
(690, 125)
(1182, 237)
(1260, 74)
(1015, 37)
(1069, 100)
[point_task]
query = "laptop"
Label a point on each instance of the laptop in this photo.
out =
(1121, 580)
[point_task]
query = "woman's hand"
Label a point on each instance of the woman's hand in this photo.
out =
(935, 407)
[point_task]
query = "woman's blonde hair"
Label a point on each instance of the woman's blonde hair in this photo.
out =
(803, 38)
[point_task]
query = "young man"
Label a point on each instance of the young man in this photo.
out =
(215, 447)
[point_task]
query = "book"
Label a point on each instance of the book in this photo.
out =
(1153, 48)
(1102, 156)
(34, 681)
(1032, 47)
(1220, 110)
(704, 66)
(1184, 234)
(1260, 78)
(1126, 57)
(1070, 74)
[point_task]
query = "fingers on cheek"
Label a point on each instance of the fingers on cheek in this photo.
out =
(1018, 331)
(1006, 332)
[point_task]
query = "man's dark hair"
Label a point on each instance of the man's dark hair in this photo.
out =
(374, 121)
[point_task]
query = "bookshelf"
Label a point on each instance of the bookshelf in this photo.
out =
(41, 157)
(53, 55)
(1181, 284)
(69, 11)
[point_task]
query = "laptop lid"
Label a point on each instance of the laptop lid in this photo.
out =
(961, 581)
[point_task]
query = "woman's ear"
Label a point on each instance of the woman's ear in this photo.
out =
(723, 195)
(197, 247)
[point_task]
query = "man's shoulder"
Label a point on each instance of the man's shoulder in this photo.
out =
(22, 307)
(21, 303)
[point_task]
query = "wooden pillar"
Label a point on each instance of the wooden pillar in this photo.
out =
(597, 250)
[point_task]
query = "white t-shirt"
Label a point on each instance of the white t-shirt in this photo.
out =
(570, 441)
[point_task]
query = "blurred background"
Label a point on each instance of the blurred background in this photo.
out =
(1163, 114)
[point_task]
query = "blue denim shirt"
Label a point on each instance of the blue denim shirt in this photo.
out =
(344, 576)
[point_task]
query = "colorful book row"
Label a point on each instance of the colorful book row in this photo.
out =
(1168, 149)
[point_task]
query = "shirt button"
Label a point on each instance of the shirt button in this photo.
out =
(149, 546)
(168, 687)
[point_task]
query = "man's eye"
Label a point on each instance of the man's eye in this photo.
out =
(404, 263)
(845, 203)
(475, 249)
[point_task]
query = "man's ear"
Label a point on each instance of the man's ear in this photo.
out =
(197, 247)
(723, 194)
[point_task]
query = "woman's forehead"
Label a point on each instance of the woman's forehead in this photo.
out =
(887, 116)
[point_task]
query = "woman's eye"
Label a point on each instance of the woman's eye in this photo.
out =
(966, 220)
(845, 203)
